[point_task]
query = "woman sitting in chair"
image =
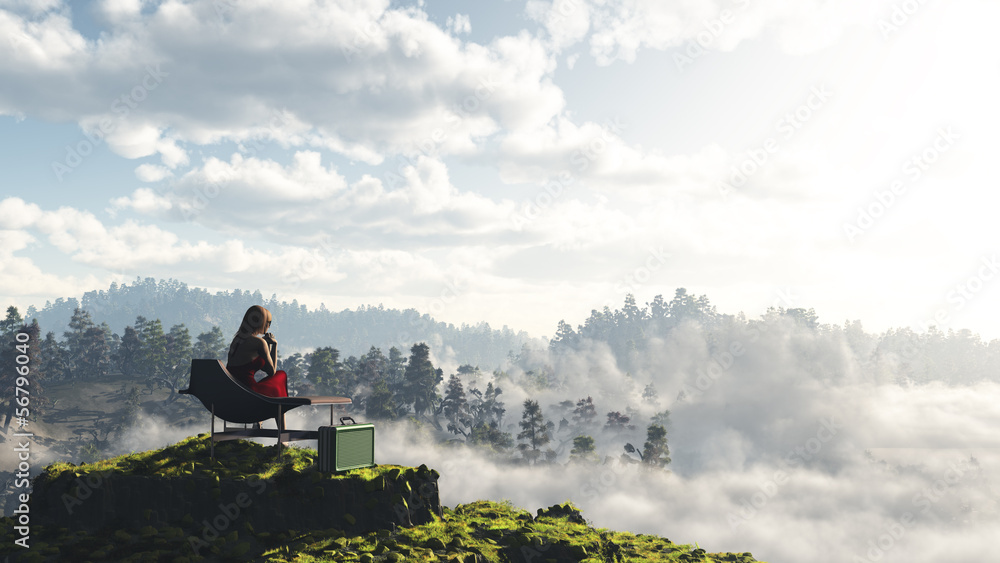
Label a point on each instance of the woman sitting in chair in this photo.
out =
(254, 349)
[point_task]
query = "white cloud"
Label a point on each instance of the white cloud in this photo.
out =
(791, 402)
(618, 29)
(459, 24)
(359, 78)
(598, 156)
(250, 194)
(21, 280)
(151, 172)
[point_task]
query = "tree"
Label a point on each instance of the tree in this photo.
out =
(631, 312)
(380, 404)
(487, 408)
(662, 419)
(155, 358)
(395, 370)
(178, 346)
(583, 450)
(21, 367)
(565, 337)
(210, 344)
(79, 344)
(455, 407)
(535, 431)
(421, 380)
(584, 413)
(373, 367)
(10, 323)
(112, 340)
(53, 357)
(489, 435)
(655, 451)
(129, 356)
(649, 395)
(685, 306)
(295, 366)
(93, 358)
(471, 373)
(350, 371)
(325, 370)
(618, 422)
(803, 317)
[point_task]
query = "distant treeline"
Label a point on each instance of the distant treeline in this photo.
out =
(898, 355)
(350, 331)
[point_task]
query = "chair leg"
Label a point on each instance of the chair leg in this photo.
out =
(280, 421)
(213, 434)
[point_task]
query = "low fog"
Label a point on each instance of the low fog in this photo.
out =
(782, 447)
(784, 442)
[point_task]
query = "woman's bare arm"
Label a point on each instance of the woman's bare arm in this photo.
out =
(268, 353)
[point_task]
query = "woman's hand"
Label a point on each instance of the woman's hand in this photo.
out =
(272, 346)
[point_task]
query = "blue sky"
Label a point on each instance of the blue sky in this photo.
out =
(544, 157)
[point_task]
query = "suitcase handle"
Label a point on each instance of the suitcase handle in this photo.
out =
(343, 418)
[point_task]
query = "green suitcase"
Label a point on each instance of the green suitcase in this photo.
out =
(348, 446)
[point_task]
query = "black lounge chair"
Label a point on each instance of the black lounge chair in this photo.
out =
(229, 400)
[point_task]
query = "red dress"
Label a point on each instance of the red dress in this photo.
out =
(272, 386)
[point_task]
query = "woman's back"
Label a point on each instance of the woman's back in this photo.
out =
(243, 350)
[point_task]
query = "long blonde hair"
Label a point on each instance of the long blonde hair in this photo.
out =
(254, 321)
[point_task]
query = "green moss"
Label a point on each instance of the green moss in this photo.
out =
(485, 531)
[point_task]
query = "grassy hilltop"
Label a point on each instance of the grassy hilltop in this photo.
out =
(128, 487)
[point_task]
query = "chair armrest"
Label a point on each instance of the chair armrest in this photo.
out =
(308, 400)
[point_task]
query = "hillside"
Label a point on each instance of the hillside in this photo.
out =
(174, 504)
(77, 409)
(352, 332)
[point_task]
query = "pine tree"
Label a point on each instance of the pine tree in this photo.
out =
(655, 451)
(618, 422)
(179, 353)
(535, 431)
(490, 435)
(210, 344)
(93, 359)
(583, 450)
(10, 323)
(421, 380)
(129, 356)
(77, 343)
(53, 357)
(584, 413)
(565, 337)
(662, 418)
(380, 404)
(455, 407)
(373, 366)
(325, 371)
(21, 368)
(470, 373)
(394, 371)
(155, 359)
(295, 367)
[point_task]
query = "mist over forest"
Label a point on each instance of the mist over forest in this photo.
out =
(786, 436)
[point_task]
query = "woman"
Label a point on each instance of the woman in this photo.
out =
(250, 352)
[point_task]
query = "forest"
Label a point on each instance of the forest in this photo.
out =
(350, 331)
(551, 415)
